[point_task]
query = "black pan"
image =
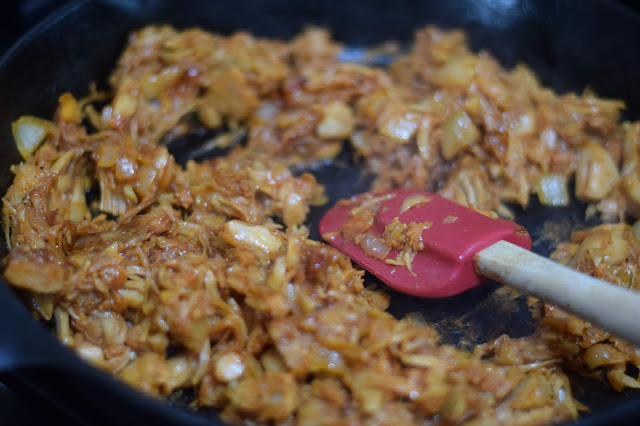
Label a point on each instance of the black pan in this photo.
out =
(569, 44)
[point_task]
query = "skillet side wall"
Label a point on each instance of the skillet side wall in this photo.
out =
(569, 44)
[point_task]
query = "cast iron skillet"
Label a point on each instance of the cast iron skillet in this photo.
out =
(569, 44)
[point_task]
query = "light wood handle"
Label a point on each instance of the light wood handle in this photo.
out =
(614, 309)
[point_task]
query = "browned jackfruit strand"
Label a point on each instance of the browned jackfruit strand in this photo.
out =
(267, 325)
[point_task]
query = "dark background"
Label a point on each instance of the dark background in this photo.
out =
(16, 407)
(19, 16)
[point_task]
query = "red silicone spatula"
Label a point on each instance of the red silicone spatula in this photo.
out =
(461, 248)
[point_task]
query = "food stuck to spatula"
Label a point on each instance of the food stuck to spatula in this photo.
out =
(418, 243)
(425, 245)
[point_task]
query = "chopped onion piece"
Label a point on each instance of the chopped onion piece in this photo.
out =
(413, 200)
(29, 132)
(552, 190)
(259, 237)
(229, 367)
(374, 246)
(596, 173)
(458, 132)
(602, 354)
(449, 219)
(69, 109)
(458, 72)
(124, 105)
(400, 127)
(337, 121)
(619, 380)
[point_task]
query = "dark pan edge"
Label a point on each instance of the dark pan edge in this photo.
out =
(619, 411)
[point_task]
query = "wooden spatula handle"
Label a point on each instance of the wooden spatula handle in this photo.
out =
(614, 309)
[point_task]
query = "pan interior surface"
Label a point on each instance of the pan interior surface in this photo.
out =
(568, 47)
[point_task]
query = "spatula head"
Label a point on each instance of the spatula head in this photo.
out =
(449, 236)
